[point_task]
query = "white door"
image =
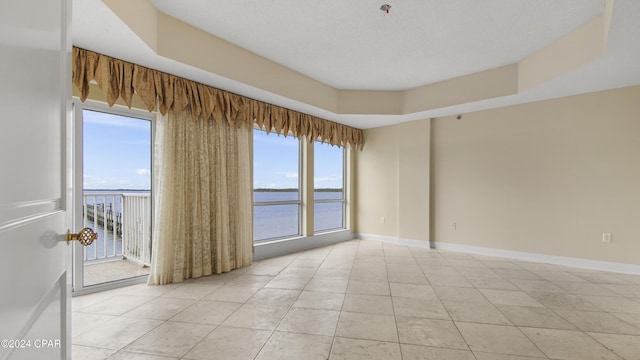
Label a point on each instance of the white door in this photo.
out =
(35, 98)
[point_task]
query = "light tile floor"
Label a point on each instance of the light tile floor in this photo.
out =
(369, 300)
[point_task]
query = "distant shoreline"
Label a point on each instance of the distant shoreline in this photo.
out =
(102, 190)
(254, 190)
(294, 190)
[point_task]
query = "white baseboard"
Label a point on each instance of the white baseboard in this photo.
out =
(394, 240)
(543, 258)
(510, 254)
(287, 246)
(374, 237)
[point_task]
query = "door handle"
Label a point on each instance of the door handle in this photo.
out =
(86, 236)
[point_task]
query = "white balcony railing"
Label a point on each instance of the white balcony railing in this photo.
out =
(136, 228)
(123, 224)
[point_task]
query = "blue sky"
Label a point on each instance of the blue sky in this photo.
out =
(117, 155)
(117, 152)
(275, 162)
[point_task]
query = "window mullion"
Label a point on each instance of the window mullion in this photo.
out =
(307, 187)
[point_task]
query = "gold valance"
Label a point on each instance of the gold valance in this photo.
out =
(166, 92)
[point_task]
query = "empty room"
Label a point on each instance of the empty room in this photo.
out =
(335, 180)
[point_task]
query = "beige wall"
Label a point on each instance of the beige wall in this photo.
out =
(392, 173)
(547, 177)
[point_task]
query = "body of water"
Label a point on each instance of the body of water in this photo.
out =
(268, 221)
(277, 221)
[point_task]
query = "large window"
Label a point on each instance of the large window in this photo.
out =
(328, 192)
(276, 186)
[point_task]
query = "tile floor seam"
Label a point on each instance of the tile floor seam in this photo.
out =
(264, 344)
(533, 342)
(335, 328)
(604, 345)
(457, 328)
(129, 343)
(603, 312)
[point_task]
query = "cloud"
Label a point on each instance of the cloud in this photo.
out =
(100, 118)
(327, 179)
(287, 174)
(143, 172)
(102, 182)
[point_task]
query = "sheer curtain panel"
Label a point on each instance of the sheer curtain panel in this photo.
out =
(203, 223)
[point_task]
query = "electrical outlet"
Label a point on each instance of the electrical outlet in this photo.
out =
(606, 237)
(382, 220)
(453, 226)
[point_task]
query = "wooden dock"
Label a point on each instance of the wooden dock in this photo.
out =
(96, 214)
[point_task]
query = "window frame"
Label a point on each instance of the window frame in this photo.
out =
(327, 201)
(78, 287)
(283, 202)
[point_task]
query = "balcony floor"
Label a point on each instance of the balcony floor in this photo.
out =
(97, 273)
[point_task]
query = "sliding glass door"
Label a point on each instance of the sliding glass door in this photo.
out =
(116, 195)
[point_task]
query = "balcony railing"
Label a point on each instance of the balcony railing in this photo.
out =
(123, 224)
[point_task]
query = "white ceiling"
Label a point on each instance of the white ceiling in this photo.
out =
(353, 45)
